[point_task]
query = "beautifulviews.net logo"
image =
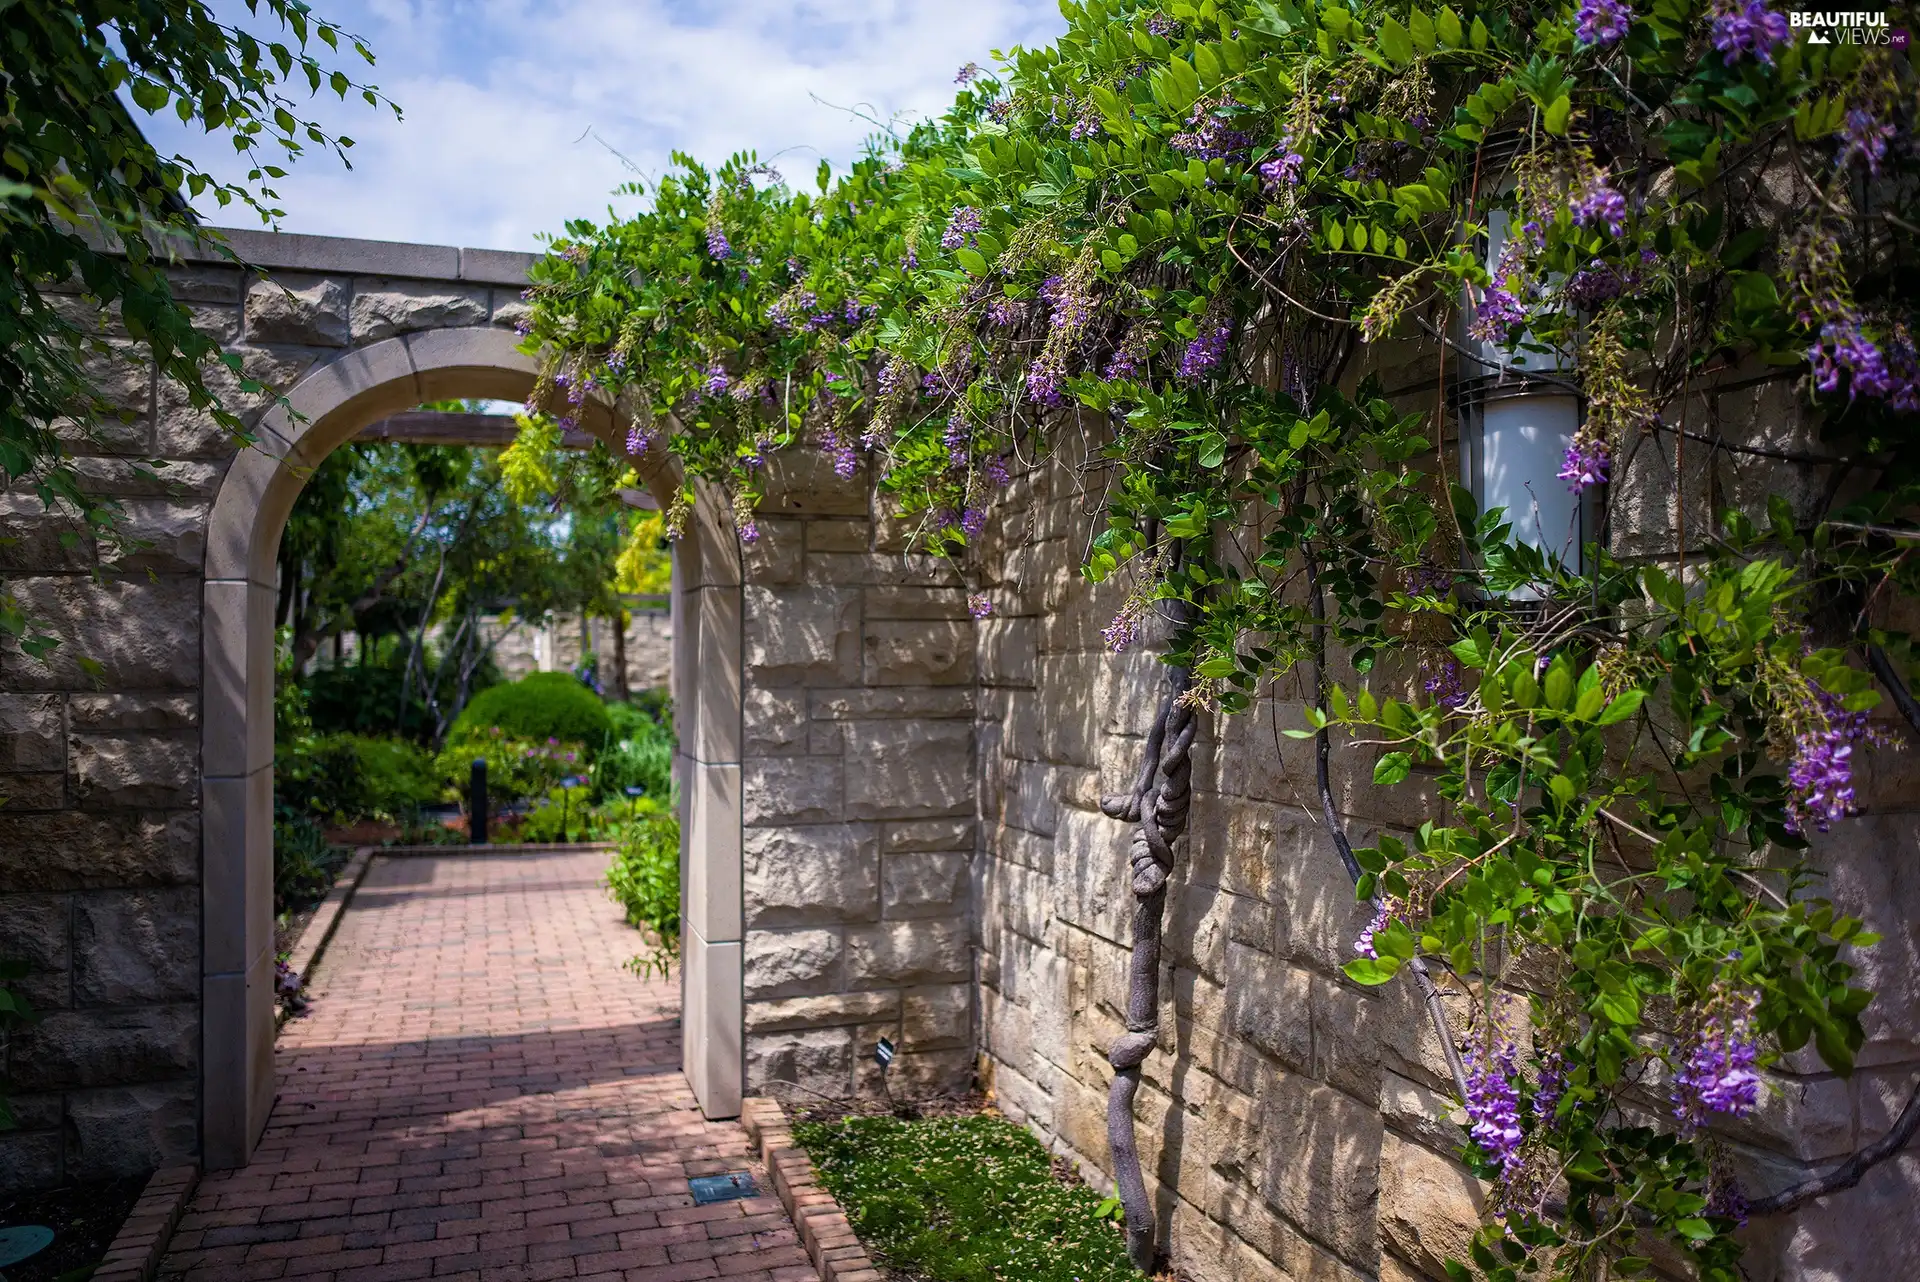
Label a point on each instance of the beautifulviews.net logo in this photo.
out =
(1867, 28)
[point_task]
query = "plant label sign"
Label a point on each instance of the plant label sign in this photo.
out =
(883, 1053)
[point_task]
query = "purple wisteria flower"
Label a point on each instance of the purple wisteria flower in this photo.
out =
(749, 531)
(959, 439)
(1210, 137)
(1494, 313)
(1203, 353)
(845, 458)
(978, 605)
(1585, 464)
(973, 522)
(968, 73)
(1493, 1106)
(717, 381)
(1601, 22)
(1748, 30)
(1164, 27)
(962, 226)
(1716, 1074)
(638, 439)
(1043, 381)
(717, 245)
(1284, 169)
(1552, 1085)
(1595, 284)
(1443, 683)
(1892, 374)
(1002, 312)
(1125, 628)
(995, 469)
(1430, 580)
(1598, 204)
(1865, 136)
(1086, 124)
(1364, 944)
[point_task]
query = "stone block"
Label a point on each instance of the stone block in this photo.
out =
(828, 1010)
(819, 1062)
(198, 284)
(1092, 882)
(120, 478)
(383, 308)
(34, 792)
(907, 952)
(1008, 649)
(1270, 1004)
(144, 633)
(774, 721)
(889, 601)
(913, 702)
(105, 1047)
(802, 636)
(75, 850)
(935, 1018)
(775, 557)
(1031, 800)
(838, 536)
(783, 790)
(880, 570)
(909, 769)
(34, 930)
(295, 309)
(32, 732)
(35, 539)
(1430, 1206)
(136, 946)
(94, 713)
(812, 875)
(926, 1073)
(132, 1130)
(147, 770)
(1323, 1163)
(923, 885)
(167, 538)
(783, 963)
(508, 308)
(929, 834)
(802, 482)
(921, 652)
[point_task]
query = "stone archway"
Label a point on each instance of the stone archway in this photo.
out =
(324, 409)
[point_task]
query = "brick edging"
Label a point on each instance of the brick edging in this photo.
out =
(326, 918)
(137, 1247)
(824, 1231)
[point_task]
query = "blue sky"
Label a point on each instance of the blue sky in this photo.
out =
(515, 108)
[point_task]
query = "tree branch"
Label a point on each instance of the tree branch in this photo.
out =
(1849, 1172)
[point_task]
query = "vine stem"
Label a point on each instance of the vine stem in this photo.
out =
(1849, 1172)
(1160, 799)
(1322, 751)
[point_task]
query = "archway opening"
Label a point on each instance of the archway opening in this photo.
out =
(246, 597)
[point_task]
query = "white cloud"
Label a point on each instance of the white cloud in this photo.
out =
(514, 108)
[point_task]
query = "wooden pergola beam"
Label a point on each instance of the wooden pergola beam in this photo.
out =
(443, 427)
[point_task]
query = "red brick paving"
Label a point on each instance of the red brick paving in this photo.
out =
(481, 1093)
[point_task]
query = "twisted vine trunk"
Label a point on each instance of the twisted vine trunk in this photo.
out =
(1161, 796)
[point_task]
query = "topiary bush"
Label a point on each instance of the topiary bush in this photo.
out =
(539, 706)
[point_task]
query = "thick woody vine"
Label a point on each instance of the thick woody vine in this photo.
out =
(1211, 228)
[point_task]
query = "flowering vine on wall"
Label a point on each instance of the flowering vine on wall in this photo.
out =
(1205, 225)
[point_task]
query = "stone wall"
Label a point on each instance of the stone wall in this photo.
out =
(1292, 1124)
(857, 797)
(521, 646)
(101, 834)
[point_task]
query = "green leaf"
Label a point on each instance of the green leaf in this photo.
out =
(1557, 115)
(1372, 971)
(972, 260)
(1559, 686)
(1624, 705)
(1446, 25)
(1395, 43)
(1392, 768)
(1421, 28)
(1478, 36)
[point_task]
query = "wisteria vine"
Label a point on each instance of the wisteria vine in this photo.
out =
(1272, 255)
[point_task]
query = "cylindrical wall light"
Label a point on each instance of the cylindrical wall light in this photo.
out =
(1518, 414)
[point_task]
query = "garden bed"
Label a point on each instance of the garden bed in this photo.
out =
(948, 1191)
(84, 1219)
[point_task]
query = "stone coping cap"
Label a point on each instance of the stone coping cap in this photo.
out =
(347, 255)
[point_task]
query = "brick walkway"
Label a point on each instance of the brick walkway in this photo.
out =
(481, 1093)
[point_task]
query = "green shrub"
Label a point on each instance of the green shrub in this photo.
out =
(638, 752)
(304, 865)
(364, 698)
(645, 880)
(564, 814)
(540, 706)
(965, 1199)
(516, 768)
(339, 778)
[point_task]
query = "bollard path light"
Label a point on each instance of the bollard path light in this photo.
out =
(477, 803)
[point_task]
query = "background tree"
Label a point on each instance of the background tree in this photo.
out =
(85, 198)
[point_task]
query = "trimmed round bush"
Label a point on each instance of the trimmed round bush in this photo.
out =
(539, 706)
